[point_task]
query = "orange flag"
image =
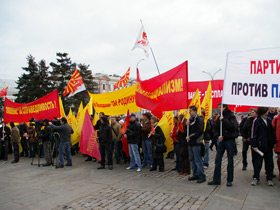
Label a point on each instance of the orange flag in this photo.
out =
(88, 144)
(75, 85)
(153, 130)
(124, 128)
(123, 81)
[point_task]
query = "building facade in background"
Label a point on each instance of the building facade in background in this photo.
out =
(106, 82)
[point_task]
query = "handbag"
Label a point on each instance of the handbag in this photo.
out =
(160, 147)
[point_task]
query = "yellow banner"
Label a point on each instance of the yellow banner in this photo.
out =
(166, 125)
(116, 102)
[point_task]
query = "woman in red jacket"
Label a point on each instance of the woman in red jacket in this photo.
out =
(276, 126)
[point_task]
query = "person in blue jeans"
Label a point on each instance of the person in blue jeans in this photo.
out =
(133, 137)
(195, 143)
(226, 142)
(65, 130)
(146, 142)
(208, 136)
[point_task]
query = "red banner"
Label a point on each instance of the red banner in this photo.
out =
(166, 92)
(217, 93)
(46, 107)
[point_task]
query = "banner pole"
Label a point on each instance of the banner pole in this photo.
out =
(155, 59)
(221, 124)
(188, 126)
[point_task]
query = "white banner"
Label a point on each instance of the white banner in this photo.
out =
(253, 78)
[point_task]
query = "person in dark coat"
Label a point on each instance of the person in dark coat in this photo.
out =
(23, 133)
(157, 137)
(183, 146)
(195, 138)
(246, 129)
(262, 141)
(133, 138)
(5, 140)
(208, 136)
(226, 141)
(105, 140)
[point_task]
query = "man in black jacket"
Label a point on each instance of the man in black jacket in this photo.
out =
(262, 141)
(226, 141)
(105, 139)
(133, 138)
(23, 131)
(194, 139)
(246, 129)
(5, 140)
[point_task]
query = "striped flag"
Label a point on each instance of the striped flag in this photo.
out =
(75, 85)
(123, 81)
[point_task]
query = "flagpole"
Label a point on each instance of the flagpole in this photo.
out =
(151, 51)
(155, 60)
(188, 126)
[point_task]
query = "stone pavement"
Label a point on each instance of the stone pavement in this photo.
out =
(82, 186)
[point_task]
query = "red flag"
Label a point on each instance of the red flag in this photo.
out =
(158, 114)
(4, 91)
(165, 92)
(125, 146)
(181, 127)
(123, 81)
(124, 128)
(153, 130)
(88, 144)
(75, 85)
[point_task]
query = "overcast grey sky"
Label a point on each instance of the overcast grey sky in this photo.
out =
(102, 33)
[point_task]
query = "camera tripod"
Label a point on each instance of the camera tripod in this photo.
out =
(37, 146)
(56, 138)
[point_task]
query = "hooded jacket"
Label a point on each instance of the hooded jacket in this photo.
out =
(229, 126)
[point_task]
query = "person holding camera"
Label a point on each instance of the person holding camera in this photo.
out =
(32, 140)
(65, 131)
(46, 135)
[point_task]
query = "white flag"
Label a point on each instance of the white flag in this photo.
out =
(142, 41)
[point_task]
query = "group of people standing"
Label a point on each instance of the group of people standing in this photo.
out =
(260, 130)
(29, 139)
(145, 134)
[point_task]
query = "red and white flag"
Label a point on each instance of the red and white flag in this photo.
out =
(75, 85)
(142, 41)
(3, 92)
(123, 81)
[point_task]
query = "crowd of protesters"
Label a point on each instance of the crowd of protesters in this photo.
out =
(192, 138)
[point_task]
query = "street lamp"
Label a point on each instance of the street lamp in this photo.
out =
(212, 77)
